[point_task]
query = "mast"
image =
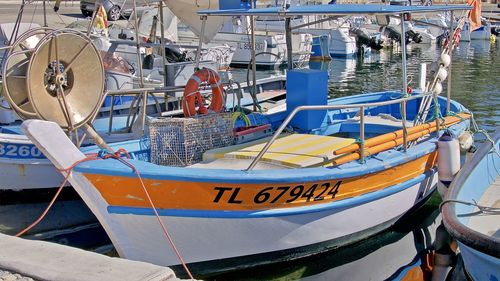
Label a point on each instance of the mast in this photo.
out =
(137, 44)
(254, 58)
(288, 36)
(448, 90)
(44, 15)
(162, 44)
(200, 43)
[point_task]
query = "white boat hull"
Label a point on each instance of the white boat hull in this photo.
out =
(340, 43)
(23, 166)
(272, 48)
(140, 237)
(483, 33)
(28, 174)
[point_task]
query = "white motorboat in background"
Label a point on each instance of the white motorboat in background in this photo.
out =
(482, 33)
(270, 45)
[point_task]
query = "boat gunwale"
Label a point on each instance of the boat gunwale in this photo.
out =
(483, 243)
(353, 169)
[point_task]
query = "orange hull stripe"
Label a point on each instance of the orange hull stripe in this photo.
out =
(127, 192)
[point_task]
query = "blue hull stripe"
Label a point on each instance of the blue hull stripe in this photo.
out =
(332, 206)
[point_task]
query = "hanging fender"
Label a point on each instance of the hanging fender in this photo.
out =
(193, 102)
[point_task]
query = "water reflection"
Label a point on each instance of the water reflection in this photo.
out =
(340, 70)
(396, 254)
(475, 75)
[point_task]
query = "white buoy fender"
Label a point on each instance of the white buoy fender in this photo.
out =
(442, 74)
(438, 88)
(466, 141)
(448, 157)
(445, 60)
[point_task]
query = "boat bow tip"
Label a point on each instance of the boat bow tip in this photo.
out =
(53, 142)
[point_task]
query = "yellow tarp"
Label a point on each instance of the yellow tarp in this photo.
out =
(296, 150)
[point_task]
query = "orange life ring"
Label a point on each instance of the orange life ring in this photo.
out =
(192, 99)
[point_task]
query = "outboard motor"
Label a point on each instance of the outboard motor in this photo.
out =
(175, 54)
(495, 30)
(362, 38)
(413, 36)
(391, 33)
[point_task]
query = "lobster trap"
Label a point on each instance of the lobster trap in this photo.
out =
(181, 142)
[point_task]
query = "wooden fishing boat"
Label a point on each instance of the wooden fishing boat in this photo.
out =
(224, 198)
(470, 212)
(284, 208)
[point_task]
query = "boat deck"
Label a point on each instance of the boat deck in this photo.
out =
(488, 223)
(288, 151)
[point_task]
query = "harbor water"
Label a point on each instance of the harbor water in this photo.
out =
(402, 251)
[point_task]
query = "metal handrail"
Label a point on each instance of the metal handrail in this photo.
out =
(144, 92)
(331, 107)
(139, 92)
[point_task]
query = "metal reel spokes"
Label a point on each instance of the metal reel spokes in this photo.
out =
(15, 70)
(65, 79)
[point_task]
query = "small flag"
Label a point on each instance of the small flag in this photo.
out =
(474, 14)
(101, 18)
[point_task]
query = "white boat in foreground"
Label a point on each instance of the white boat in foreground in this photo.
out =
(471, 210)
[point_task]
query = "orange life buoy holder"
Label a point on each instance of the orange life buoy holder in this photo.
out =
(193, 102)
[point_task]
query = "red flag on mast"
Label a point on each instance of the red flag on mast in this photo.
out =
(474, 14)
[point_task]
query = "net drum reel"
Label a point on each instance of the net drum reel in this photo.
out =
(14, 71)
(60, 79)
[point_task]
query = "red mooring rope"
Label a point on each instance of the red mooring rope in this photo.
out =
(117, 156)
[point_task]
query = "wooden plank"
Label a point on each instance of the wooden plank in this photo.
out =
(49, 261)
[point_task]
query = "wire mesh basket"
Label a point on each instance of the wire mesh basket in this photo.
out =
(181, 142)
